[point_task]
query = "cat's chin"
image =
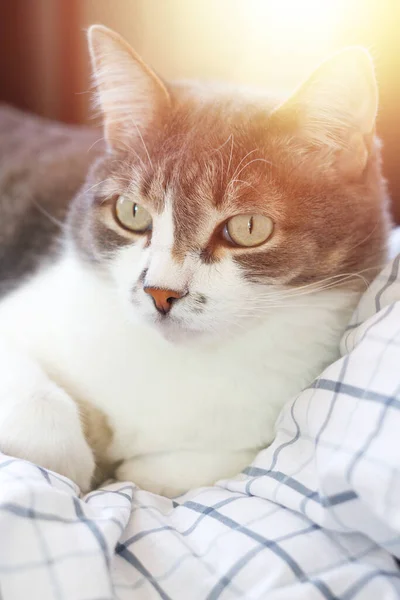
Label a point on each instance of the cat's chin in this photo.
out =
(178, 334)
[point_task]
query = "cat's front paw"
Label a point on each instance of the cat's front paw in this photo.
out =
(47, 431)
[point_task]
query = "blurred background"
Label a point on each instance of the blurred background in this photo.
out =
(44, 65)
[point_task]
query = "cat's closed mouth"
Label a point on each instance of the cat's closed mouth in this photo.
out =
(174, 329)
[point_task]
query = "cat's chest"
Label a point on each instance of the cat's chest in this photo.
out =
(160, 396)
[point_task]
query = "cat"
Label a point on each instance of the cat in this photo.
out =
(207, 270)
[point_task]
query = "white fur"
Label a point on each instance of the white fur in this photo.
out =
(183, 415)
(38, 420)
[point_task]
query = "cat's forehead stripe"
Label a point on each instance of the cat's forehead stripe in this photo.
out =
(192, 223)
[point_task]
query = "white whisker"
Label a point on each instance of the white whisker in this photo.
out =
(47, 214)
(364, 239)
(334, 280)
(101, 139)
(118, 179)
(238, 167)
(123, 145)
(251, 162)
(224, 144)
(95, 185)
(232, 181)
(144, 145)
(230, 156)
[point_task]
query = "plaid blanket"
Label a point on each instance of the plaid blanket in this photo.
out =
(316, 516)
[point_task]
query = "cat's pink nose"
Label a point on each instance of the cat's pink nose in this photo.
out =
(163, 299)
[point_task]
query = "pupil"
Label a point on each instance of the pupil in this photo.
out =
(135, 208)
(250, 225)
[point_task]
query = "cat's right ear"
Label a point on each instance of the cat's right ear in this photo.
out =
(129, 93)
(335, 109)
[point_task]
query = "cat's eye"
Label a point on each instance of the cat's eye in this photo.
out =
(248, 230)
(132, 216)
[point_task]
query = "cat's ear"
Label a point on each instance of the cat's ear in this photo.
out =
(129, 93)
(337, 106)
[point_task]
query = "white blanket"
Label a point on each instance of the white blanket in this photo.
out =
(316, 516)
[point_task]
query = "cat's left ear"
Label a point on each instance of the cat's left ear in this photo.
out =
(129, 93)
(336, 108)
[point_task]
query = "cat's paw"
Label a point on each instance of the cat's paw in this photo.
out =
(46, 430)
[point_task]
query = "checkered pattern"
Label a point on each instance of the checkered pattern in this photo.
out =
(316, 516)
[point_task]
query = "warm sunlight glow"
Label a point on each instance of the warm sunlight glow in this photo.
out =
(274, 43)
(304, 18)
(295, 33)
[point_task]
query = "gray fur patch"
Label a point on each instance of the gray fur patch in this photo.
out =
(42, 165)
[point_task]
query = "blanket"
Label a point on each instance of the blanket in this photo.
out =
(316, 516)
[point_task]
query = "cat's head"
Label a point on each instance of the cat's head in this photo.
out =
(211, 207)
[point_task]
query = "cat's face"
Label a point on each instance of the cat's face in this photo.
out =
(209, 211)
